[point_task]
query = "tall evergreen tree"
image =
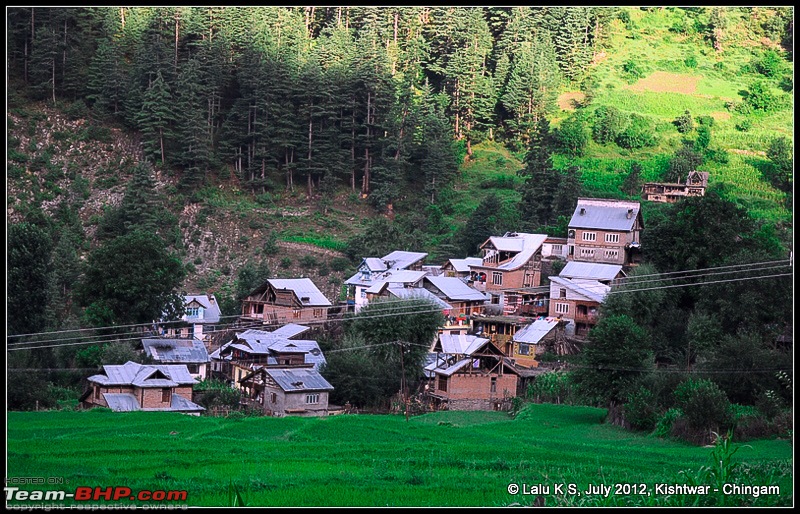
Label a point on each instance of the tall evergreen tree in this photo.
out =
(541, 179)
(156, 118)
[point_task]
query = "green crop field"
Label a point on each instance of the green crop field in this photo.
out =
(438, 459)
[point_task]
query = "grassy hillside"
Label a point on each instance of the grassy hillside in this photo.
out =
(438, 459)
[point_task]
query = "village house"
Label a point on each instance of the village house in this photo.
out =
(252, 349)
(530, 341)
(297, 391)
(577, 301)
(500, 329)
(190, 352)
(463, 299)
(469, 373)
(608, 274)
(605, 231)
(374, 271)
(528, 301)
(696, 184)
(133, 387)
(201, 314)
(460, 267)
(286, 300)
(511, 261)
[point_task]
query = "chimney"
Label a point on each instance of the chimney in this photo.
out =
(630, 213)
(583, 211)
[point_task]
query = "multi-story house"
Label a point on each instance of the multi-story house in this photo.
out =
(201, 313)
(397, 268)
(696, 183)
(577, 301)
(286, 300)
(605, 231)
(460, 267)
(511, 261)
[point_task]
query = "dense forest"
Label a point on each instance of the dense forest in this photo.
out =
(138, 134)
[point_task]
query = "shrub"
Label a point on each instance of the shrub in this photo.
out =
(641, 410)
(638, 134)
(771, 64)
(744, 125)
(340, 264)
(684, 123)
(665, 422)
(690, 61)
(308, 261)
(286, 262)
(761, 98)
(609, 122)
(703, 138)
(705, 406)
(572, 136)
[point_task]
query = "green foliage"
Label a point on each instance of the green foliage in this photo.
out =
(551, 387)
(132, 279)
(340, 264)
(665, 422)
(704, 405)
(211, 393)
(770, 64)
(633, 70)
(572, 136)
(761, 97)
(308, 261)
(684, 123)
(781, 152)
(641, 411)
(639, 133)
(609, 123)
(28, 278)
(378, 237)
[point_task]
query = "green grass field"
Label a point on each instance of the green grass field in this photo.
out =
(438, 459)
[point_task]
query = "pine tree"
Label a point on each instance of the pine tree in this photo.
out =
(542, 180)
(156, 118)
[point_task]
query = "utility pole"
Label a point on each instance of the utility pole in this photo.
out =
(403, 387)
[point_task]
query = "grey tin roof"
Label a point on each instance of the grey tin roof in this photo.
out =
(299, 379)
(585, 289)
(455, 289)
(126, 402)
(392, 276)
(536, 331)
(289, 330)
(176, 351)
(607, 214)
(589, 270)
(399, 259)
(525, 244)
(144, 375)
(418, 292)
(303, 288)
(462, 265)
(461, 344)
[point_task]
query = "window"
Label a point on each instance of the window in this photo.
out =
(587, 252)
(363, 293)
(312, 398)
(166, 395)
(193, 368)
(590, 236)
(317, 313)
(497, 278)
(582, 310)
(557, 249)
(494, 385)
(296, 313)
(273, 398)
(495, 299)
(442, 384)
(562, 293)
(97, 392)
(612, 254)
(192, 312)
(612, 238)
(524, 349)
(562, 308)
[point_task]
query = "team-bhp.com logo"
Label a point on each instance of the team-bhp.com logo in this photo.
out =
(85, 494)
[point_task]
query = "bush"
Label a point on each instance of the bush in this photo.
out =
(308, 261)
(340, 264)
(641, 410)
(771, 64)
(705, 406)
(690, 61)
(761, 98)
(609, 122)
(665, 422)
(572, 136)
(684, 123)
(638, 134)
(744, 125)
(286, 262)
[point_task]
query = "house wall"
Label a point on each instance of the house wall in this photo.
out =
(477, 386)
(600, 246)
(293, 400)
(101, 402)
(528, 275)
(286, 314)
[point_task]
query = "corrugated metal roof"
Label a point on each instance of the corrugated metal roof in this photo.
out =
(303, 288)
(455, 289)
(461, 344)
(525, 244)
(589, 270)
(418, 292)
(536, 331)
(462, 265)
(176, 351)
(121, 402)
(591, 290)
(133, 373)
(374, 264)
(455, 367)
(181, 404)
(399, 259)
(289, 330)
(211, 312)
(299, 379)
(392, 276)
(604, 214)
